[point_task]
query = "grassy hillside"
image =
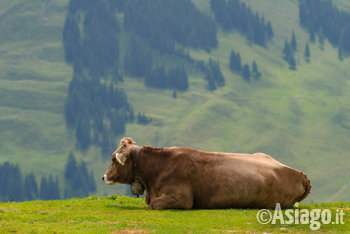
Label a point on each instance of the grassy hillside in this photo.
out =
(130, 215)
(301, 118)
(33, 81)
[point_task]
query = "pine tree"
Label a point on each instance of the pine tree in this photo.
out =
(255, 71)
(71, 166)
(246, 72)
(213, 75)
(288, 55)
(83, 131)
(293, 42)
(269, 30)
(235, 61)
(71, 39)
(292, 63)
(78, 183)
(30, 187)
(307, 52)
(53, 192)
(219, 78)
(286, 49)
(312, 38)
(11, 183)
(43, 189)
(321, 39)
(211, 82)
(16, 184)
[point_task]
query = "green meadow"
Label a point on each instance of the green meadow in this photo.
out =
(118, 214)
(302, 117)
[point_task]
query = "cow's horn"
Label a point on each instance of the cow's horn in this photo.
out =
(120, 158)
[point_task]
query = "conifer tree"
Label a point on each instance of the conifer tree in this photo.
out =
(30, 187)
(246, 72)
(214, 75)
(312, 38)
(255, 71)
(71, 166)
(43, 189)
(235, 61)
(78, 183)
(292, 62)
(286, 49)
(293, 42)
(307, 52)
(321, 39)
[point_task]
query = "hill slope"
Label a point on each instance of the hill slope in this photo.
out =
(301, 118)
(130, 215)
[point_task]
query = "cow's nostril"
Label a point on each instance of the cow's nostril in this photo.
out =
(103, 178)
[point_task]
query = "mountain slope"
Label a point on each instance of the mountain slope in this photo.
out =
(301, 118)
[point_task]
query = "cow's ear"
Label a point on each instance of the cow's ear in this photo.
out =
(120, 158)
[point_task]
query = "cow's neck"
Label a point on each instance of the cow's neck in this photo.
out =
(137, 186)
(135, 162)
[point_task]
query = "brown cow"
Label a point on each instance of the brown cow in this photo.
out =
(185, 178)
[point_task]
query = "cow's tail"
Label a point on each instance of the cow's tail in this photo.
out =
(307, 186)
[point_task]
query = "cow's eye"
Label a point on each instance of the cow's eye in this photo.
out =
(113, 159)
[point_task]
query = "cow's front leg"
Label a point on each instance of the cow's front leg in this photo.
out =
(172, 201)
(147, 198)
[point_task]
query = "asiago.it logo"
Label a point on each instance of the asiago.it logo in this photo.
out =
(314, 217)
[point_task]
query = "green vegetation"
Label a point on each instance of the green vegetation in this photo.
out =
(109, 214)
(302, 117)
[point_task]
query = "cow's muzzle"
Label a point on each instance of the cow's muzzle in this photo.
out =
(106, 181)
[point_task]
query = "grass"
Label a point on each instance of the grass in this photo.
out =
(118, 213)
(299, 117)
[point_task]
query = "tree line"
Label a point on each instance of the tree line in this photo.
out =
(173, 78)
(78, 182)
(13, 187)
(324, 19)
(237, 15)
(164, 24)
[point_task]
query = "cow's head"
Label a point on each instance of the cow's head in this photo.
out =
(120, 169)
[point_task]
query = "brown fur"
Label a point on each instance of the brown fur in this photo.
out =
(185, 178)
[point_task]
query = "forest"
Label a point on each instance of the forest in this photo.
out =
(236, 15)
(96, 108)
(78, 182)
(324, 19)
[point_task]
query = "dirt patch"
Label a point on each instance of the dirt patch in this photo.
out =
(341, 208)
(132, 231)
